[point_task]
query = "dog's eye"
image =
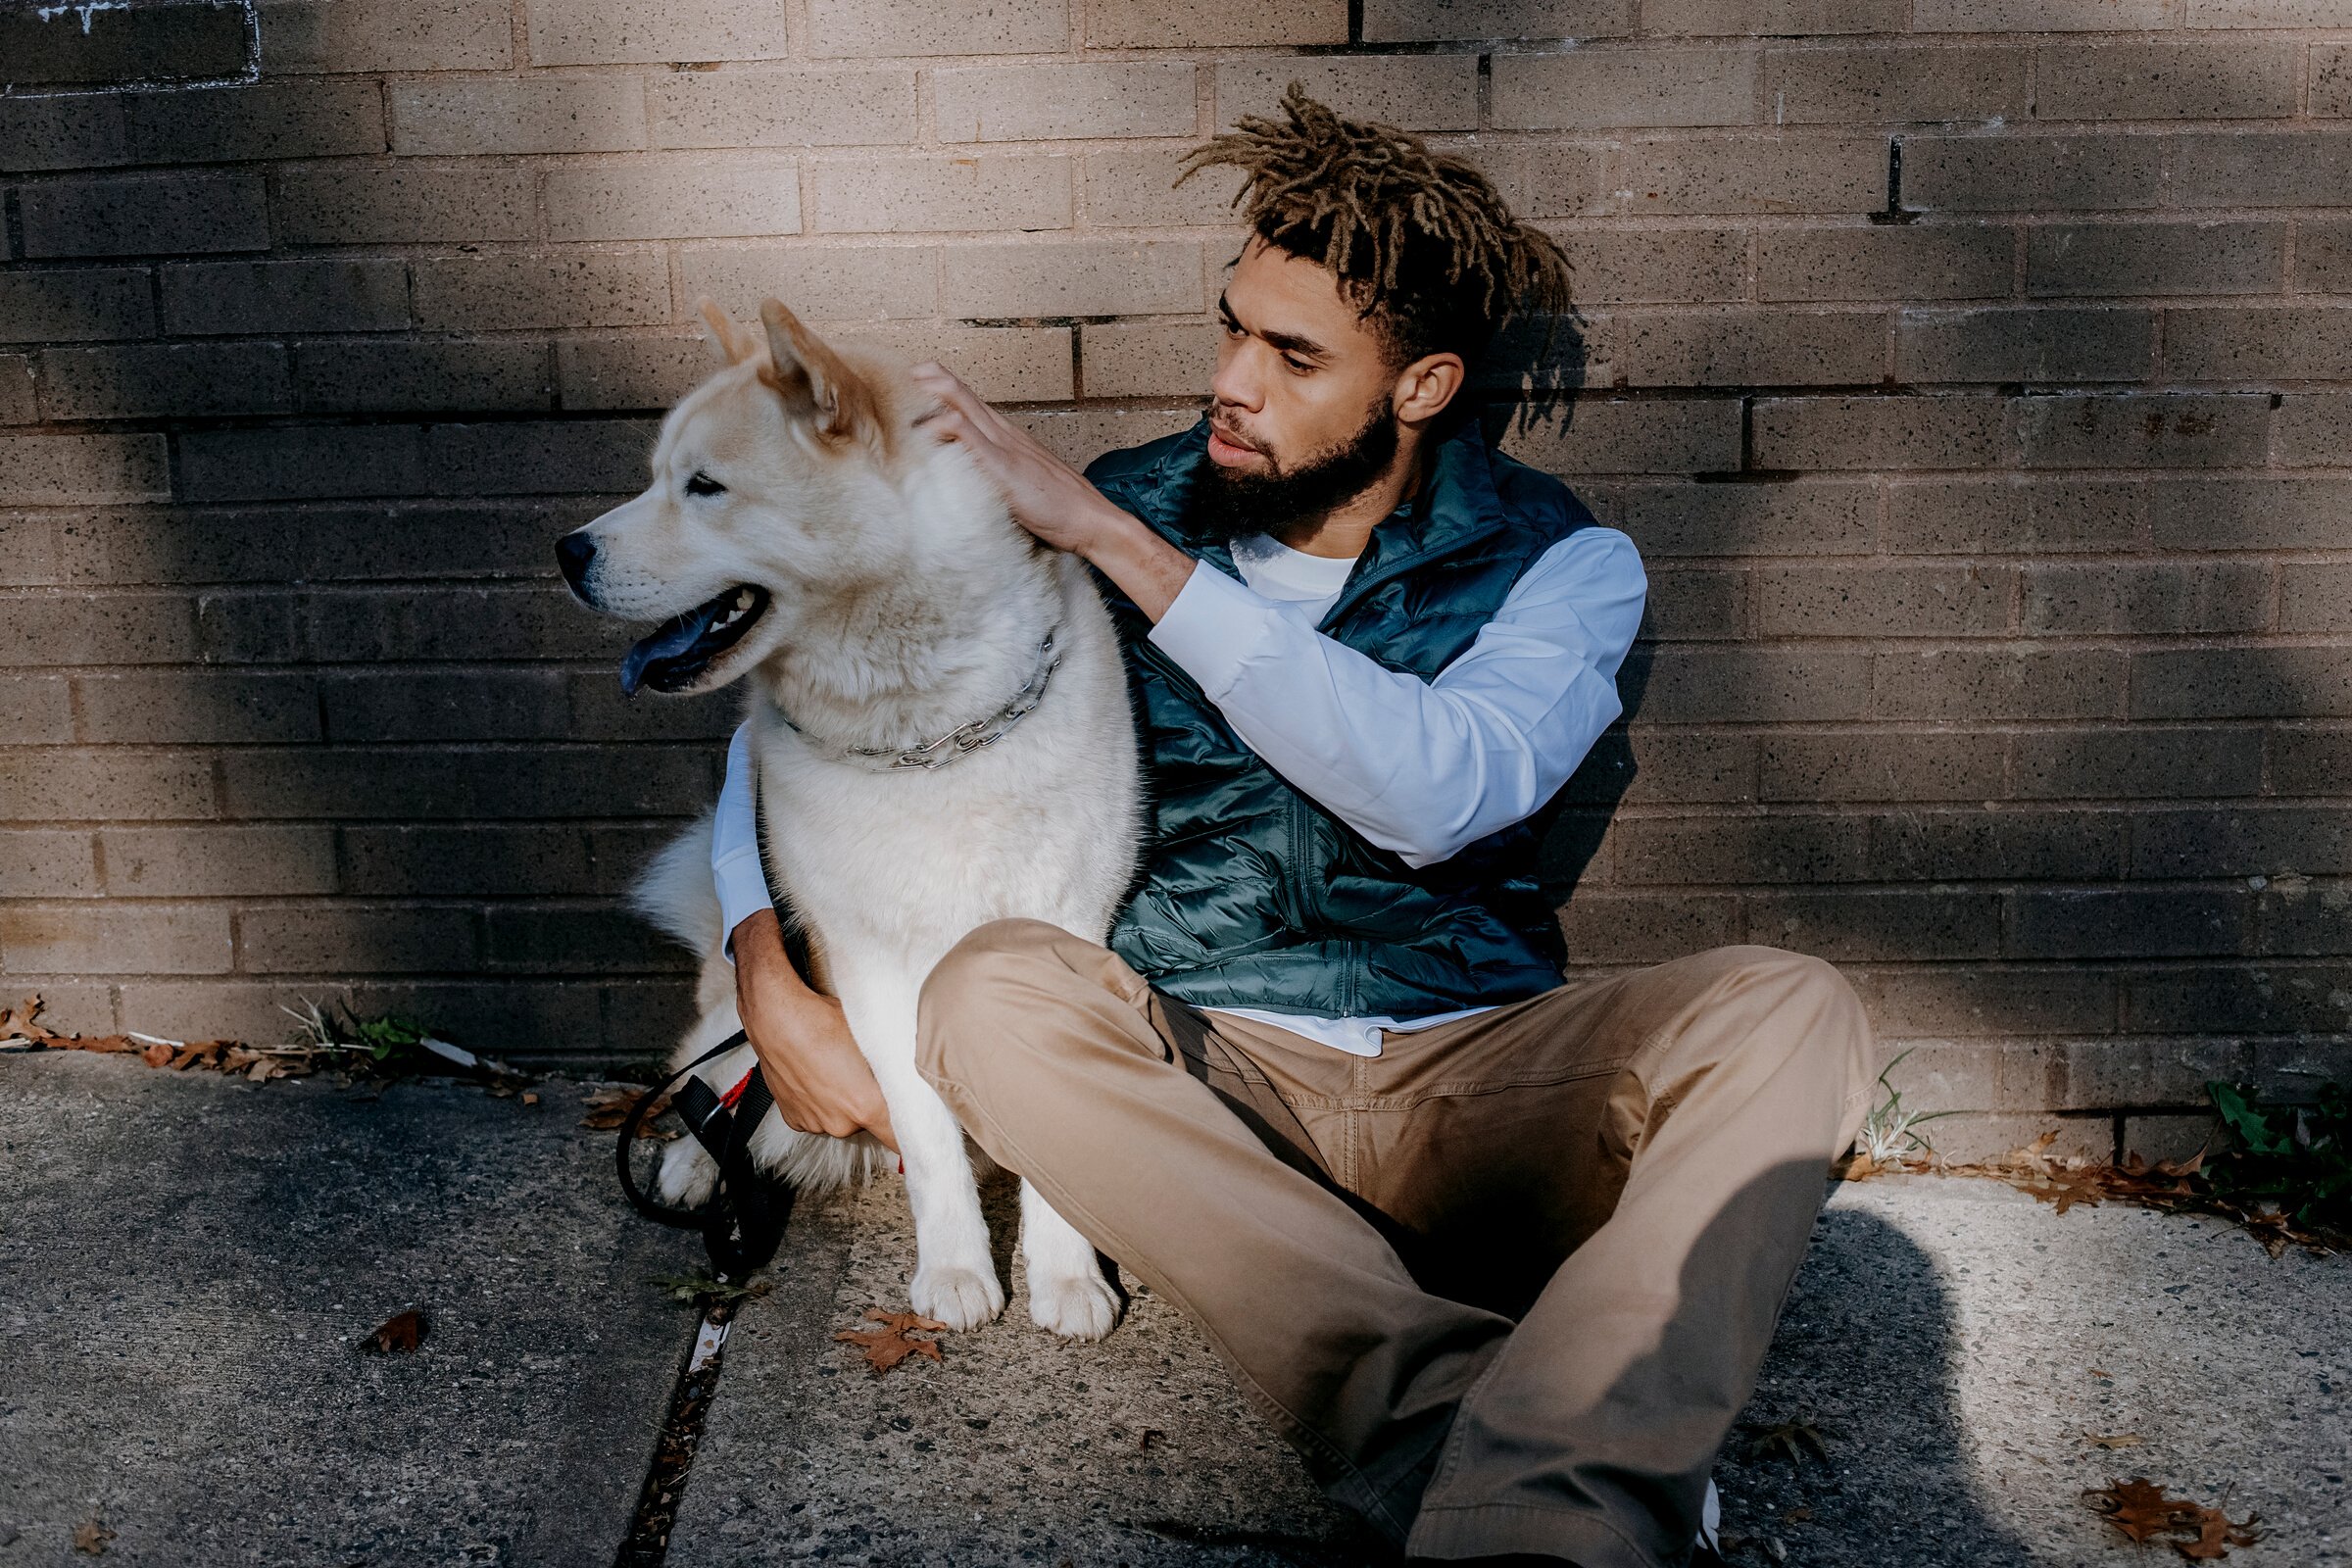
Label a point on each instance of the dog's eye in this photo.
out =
(700, 484)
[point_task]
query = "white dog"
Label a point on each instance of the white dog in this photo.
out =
(800, 530)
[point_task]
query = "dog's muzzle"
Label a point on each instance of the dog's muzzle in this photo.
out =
(573, 553)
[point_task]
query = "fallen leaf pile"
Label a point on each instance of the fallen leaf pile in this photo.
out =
(886, 1347)
(2168, 1185)
(2139, 1510)
(398, 1334)
(607, 1109)
(1789, 1438)
(90, 1539)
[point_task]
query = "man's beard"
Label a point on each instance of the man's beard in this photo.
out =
(1229, 504)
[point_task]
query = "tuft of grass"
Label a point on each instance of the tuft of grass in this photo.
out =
(1889, 1135)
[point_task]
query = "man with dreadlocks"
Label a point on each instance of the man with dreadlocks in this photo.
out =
(1500, 1257)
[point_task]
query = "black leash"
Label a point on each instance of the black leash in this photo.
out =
(742, 1224)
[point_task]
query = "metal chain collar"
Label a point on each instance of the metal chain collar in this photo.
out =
(958, 743)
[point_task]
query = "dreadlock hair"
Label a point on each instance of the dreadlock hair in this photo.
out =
(1421, 243)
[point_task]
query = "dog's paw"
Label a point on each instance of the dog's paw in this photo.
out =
(1085, 1308)
(688, 1173)
(960, 1297)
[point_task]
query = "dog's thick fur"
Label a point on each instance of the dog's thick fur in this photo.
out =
(903, 602)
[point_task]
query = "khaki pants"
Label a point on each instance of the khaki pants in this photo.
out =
(1504, 1285)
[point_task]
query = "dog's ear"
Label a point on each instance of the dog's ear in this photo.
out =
(814, 382)
(730, 346)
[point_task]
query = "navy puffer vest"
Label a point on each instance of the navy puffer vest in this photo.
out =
(1252, 895)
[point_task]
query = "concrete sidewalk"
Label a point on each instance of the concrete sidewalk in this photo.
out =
(186, 1265)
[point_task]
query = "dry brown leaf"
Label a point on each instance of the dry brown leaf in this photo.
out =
(2139, 1508)
(402, 1332)
(607, 1109)
(90, 1539)
(529, 1098)
(158, 1054)
(2112, 1439)
(886, 1347)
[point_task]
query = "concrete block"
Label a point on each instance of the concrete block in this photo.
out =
(2314, 599)
(1078, 436)
(83, 130)
(202, 298)
(2331, 79)
(54, 50)
(268, 119)
(1147, 24)
(176, 379)
(218, 862)
(1757, 685)
(1419, 21)
(1082, 277)
(402, 204)
(579, 939)
(2243, 79)
(474, 115)
(2275, 843)
(1734, 347)
(838, 27)
(931, 195)
(2148, 598)
(828, 283)
(78, 469)
(196, 707)
(1047, 103)
(2136, 763)
(2143, 430)
(1135, 188)
(1638, 85)
(461, 375)
(1003, 364)
(19, 402)
(1671, 266)
(77, 305)
(561, 289)
(1849, 924)
(607, 32)
(1921, 261)
(2309, 431)
(465, 784)
(1416, 93)
(2126, 923)
(144, 216)
(672, 198)
(47, 863)
(2008, 344)
(111, 783)
(1545, 177)
(1754, 173)
(567, 456)
(374, 707)
(1974, 844)
(1808, 517)
(1777, 19)
(342, 938)
(2041, 16)
(1878, 432)
(2244, 683)
(2268, 14)
(1633, 435)
(2028, 174)
(1908, 601)
(1148, 359)
(1971, 686)
(2258, 343)
(306, 36)
(2258, 168)
(1881, 85)
(846, 107)
(1870, 764)
(460, 861)
(2233, 257)
(302, 464)
(38, 709)
(1983, 1001)
(1721, 849)
(2159, 1137)
(108, 938)
(1647, 927)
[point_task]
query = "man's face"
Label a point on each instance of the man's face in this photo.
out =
(1304, 417)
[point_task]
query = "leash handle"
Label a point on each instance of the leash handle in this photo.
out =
(685, 1219)
(742, 1224)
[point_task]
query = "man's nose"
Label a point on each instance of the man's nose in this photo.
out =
(574, 551)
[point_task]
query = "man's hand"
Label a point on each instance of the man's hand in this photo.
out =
(1052, 500)
(822, 1081)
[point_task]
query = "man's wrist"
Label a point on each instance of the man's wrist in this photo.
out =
(1147, 567)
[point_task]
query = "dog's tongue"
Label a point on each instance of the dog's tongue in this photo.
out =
(671, 651)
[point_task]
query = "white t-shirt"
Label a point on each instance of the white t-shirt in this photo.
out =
(1418, 767)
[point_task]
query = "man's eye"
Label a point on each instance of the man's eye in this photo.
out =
(700, 484)
(1300, 365)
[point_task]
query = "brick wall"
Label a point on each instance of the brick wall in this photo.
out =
(1972, 373)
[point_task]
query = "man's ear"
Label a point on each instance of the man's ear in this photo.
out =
(815, 383)
(1426, 385)
(726, 344)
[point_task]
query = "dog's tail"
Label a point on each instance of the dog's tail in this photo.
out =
(675, 892)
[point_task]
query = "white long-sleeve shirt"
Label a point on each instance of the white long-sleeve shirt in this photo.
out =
(1420, 768)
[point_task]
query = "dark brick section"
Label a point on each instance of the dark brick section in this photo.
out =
(1977, 383)
(66, 47)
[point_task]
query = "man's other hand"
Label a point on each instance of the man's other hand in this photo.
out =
(822, 1081)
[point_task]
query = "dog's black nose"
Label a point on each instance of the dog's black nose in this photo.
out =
(574, 551)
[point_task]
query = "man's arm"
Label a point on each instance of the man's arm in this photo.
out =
(1424, 767)
(822, 1081)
